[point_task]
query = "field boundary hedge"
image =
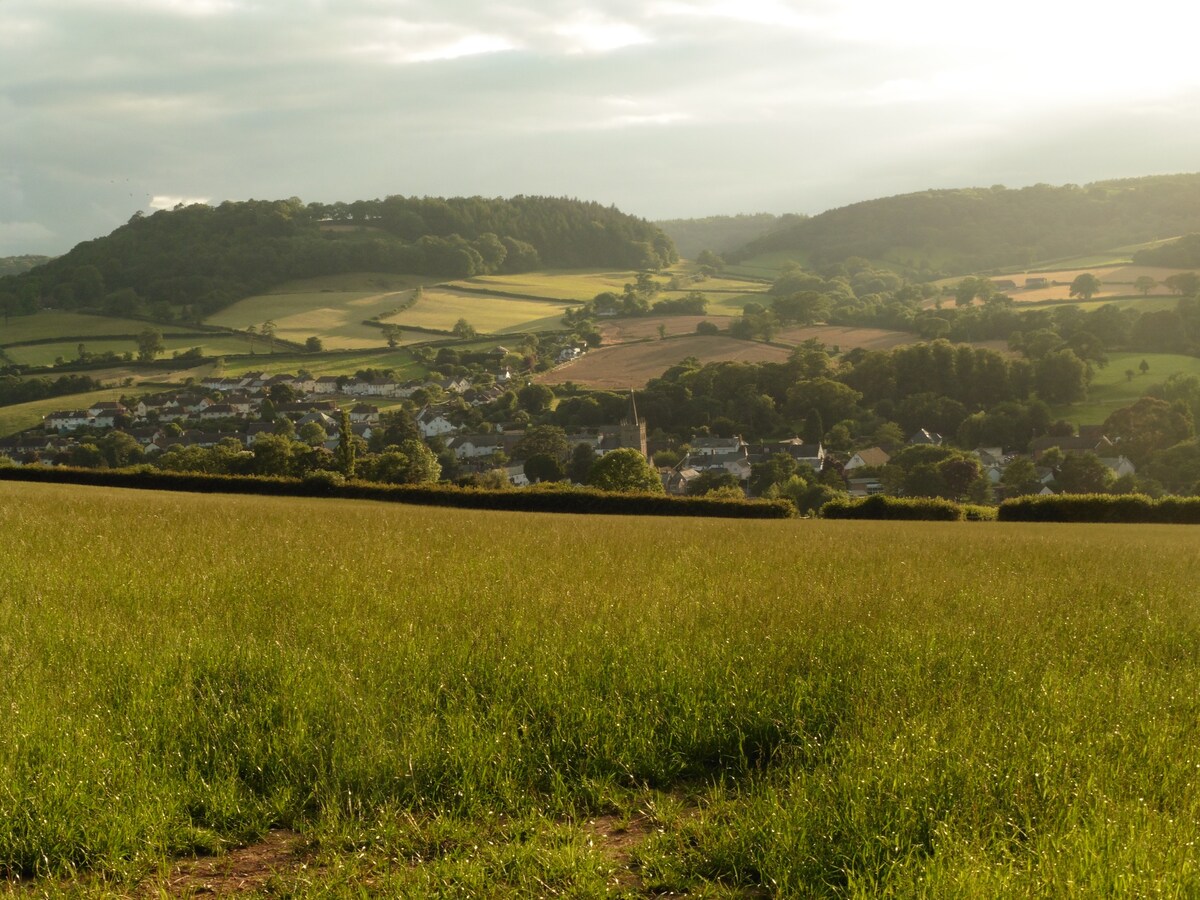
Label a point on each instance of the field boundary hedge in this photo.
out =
(563, 500)
(1135, 508)
(881, 506)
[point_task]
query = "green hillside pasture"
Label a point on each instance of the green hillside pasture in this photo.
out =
(46, 354)
(21, 416)
(336, 317)
(767, 265)
(442, 307)
(342, 363)
(54, 324)
(555, 284)
(903, 709)
(1112, 389)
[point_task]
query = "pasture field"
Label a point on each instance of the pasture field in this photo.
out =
(55, 324)
(336, 317)
(328, 363)
(441, 308)
(576, 285)
(46, 354)
(625, 366)
(1112, 388)
(902, 709)
(766, 265)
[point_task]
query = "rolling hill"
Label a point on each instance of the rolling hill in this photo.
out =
(954, 232)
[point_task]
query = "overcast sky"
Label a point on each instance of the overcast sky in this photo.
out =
(666, 108)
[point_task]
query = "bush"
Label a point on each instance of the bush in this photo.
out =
(884, 507)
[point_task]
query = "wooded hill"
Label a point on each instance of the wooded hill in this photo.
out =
(189, 262)
(954, 232)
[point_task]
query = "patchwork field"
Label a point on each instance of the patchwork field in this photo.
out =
(347, 363)
(336, 317)
(1116, 281)
(632, 365)
(903, 709)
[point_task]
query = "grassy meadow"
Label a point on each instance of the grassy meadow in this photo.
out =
(449, 703)
(442, 307)
(60, 324)
(1112, 388)
(46, 354)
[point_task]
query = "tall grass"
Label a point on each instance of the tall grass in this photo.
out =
(837, 709)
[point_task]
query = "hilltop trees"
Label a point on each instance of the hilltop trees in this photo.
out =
(193, 260)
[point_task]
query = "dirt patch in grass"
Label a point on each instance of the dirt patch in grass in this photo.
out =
(616, 838)
(239, 871)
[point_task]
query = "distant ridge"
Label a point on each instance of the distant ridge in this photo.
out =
(952, 232)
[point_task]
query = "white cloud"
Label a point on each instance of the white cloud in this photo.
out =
(170, 201)
(592, 35)
(467, 45)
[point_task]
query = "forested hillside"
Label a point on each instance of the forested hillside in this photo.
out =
(953, 232)
(191, 261)
(721, 234)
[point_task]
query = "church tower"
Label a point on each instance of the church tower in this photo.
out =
(632, 430)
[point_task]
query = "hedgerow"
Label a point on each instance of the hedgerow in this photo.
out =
(1102, 508)
(883, 507)
(535, 499)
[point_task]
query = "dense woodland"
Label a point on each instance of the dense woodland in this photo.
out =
(953, 232)
(189, 262)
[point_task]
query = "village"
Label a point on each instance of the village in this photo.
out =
(237, 412)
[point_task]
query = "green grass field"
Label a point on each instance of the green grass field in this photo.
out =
(328, 364)
(443, 307)
(46, 354)
(55, 324)
(901, 709)
(1111, 388)
(555, 284)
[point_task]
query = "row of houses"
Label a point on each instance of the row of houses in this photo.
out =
(261, 383)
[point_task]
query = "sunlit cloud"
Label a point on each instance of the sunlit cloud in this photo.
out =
(594, 36)
(170, 201)
(468, 45)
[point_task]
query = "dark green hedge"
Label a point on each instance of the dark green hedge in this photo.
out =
(1102, 508)
(884, 507)
(527, 500)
